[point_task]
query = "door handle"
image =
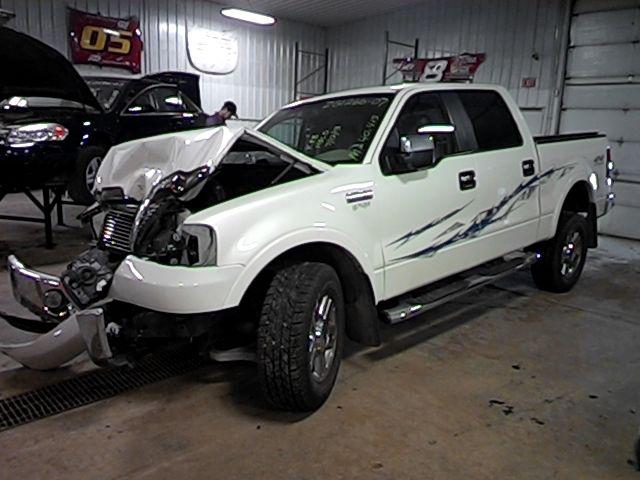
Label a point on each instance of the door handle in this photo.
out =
(528, 168)
(467, 180)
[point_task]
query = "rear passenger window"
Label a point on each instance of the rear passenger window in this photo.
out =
(492, 121)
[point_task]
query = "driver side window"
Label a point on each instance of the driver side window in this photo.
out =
(419, 115)
(143, 103)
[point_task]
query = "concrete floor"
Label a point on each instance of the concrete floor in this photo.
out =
(507, 382)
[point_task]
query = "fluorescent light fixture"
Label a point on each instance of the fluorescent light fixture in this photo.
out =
(247, 16)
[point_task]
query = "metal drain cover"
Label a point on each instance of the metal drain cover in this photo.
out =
(92, 387)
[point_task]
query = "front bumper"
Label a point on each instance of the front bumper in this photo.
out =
(160, 288)
(48, 350)
(173, 289)
(45, 296)
(71, 331)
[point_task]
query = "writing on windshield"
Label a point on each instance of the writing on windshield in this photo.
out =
(339, 130)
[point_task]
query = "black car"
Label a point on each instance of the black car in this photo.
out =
(56, 126)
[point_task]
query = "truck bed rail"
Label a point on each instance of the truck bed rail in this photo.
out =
(567, 137)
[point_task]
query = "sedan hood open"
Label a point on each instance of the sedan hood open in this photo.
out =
(32, 69)
(137, 166)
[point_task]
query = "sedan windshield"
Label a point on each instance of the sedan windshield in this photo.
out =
(338, 130)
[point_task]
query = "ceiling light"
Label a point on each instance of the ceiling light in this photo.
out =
(247, 16)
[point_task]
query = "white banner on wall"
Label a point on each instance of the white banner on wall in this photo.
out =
(212, 51)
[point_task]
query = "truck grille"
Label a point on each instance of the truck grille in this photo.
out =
(117, 229)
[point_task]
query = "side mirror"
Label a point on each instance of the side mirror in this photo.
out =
(421, 150)
(418, 151)
(416, 144)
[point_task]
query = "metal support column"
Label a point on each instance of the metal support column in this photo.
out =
(387, 41)
(299, 54)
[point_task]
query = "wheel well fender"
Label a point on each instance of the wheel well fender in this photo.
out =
(579, 199)
(361, 314)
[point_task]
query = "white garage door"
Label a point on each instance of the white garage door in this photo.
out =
(602, 92)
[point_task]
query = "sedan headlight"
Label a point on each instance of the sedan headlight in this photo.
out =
(200, 245)
(37, 132)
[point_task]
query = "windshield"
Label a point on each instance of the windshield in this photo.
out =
(339, 130)
(106, 90)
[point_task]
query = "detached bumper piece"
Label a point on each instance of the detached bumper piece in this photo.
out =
(60, 332)
(41, 293)
(48, 350)
(94, 333)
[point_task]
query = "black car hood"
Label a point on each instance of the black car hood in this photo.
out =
(26, 116)
(32, 69)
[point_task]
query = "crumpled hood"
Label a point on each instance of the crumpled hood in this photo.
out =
(138, 165)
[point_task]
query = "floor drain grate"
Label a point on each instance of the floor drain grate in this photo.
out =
(91, 387)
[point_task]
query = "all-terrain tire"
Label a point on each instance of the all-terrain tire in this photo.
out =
(563, 257)
(291, 334)
(84, 174)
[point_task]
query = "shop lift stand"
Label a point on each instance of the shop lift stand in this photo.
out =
(45, 206)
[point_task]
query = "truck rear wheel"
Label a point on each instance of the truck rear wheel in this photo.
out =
(300, 336)
(563, 256)
(83, 177)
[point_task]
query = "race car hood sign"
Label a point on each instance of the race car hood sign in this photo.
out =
(105, 41)
(456, 68)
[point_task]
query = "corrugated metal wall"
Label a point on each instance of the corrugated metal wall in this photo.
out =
(262, 82)
(511, 32)
(520, 38)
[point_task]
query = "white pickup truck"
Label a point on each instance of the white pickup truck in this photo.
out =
(335, 213)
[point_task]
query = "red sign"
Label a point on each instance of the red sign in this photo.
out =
(105, 41)
(459, 68)
(529, 82)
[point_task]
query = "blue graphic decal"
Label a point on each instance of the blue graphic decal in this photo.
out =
(481, 221)
(414, 233)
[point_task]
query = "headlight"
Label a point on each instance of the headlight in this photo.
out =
(200, 245)
(37, 132)
(180, 183)
(163, 198)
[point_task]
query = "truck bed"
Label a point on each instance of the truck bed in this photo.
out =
(566, 137)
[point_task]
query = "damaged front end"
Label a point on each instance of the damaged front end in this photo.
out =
(145, 198)
(72, 310)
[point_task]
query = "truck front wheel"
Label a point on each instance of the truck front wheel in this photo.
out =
(300, 336)
(563, 257)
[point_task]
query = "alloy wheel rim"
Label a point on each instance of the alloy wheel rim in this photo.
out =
(571, 254)
(323, 338)
(91, 172)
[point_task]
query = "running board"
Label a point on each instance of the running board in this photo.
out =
(414, 304)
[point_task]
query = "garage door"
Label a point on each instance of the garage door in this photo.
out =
(602, 92)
